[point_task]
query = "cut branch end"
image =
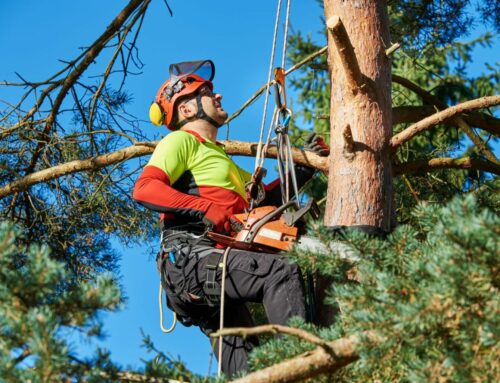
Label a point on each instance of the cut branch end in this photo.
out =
(333, 23)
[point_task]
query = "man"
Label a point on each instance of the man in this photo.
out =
(195, 186)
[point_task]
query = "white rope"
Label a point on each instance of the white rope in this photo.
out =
(292, 170)
(259, 158)
(222, 302)
(268, 139)
(160, 303)
(283, 58)
(271, 63)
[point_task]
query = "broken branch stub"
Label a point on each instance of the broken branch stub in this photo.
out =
(346, 53)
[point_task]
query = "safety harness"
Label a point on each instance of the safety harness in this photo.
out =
(178, 247)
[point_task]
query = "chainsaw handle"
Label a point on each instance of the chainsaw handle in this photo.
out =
(261, 222)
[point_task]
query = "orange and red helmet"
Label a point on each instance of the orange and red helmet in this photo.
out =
(185, 79)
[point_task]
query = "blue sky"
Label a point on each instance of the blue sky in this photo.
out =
(237, 36)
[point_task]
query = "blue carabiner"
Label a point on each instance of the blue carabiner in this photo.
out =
(171, 256)
(287, 118)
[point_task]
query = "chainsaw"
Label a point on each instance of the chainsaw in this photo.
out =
(267, 228)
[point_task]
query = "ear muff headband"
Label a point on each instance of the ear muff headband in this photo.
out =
(156, 114)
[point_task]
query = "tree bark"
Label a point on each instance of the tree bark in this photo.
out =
(360, 175)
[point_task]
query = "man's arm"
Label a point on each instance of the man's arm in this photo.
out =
(313, 143)
(154, 190)
(273, 189)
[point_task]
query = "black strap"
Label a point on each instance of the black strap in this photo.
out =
(200, 115)
(211, 287)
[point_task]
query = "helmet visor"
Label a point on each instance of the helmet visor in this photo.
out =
(204, 68)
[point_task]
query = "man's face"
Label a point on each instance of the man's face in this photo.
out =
(212, 104)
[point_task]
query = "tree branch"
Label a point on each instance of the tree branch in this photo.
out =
(111, 63)
(141, 149)
(393, 48)
(446, 163)
(437, 118)
(348, 150)
(93, 163)
(70, 80)
(273, 329)
(310, 364)
(411, 114)
(354, 78)
(127, 376)
(240, 148)
(300, 157)
(431, 99)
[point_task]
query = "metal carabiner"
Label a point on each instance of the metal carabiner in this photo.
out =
(279, 88)
(285, 116)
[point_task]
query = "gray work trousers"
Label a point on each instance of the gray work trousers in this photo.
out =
(264, 278)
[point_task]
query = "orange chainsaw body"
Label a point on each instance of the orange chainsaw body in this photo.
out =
(273, 235)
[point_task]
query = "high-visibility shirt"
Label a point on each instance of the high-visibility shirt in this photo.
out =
(187, 174)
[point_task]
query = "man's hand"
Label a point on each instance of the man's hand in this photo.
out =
(314, 143)
(217, 218)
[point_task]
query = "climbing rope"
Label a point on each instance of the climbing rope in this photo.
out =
(285, 38)
(271, 63)
(222, 302)
(160, 303)
(286, 166)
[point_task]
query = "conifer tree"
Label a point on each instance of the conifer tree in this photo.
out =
(40, 314)
(429, 291)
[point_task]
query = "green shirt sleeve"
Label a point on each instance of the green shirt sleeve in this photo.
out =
(173, 154)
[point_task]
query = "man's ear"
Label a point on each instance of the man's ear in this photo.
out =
(186, 110)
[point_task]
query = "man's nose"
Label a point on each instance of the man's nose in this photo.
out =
(218, 96)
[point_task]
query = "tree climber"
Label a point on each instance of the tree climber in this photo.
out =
(196, 187)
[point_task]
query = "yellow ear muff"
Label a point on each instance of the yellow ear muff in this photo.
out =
(156, 114)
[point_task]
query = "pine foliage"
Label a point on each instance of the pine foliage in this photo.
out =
(40, 315)
(431, 291)
(38, 312)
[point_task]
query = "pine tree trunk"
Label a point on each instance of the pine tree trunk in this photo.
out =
(360, 174)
